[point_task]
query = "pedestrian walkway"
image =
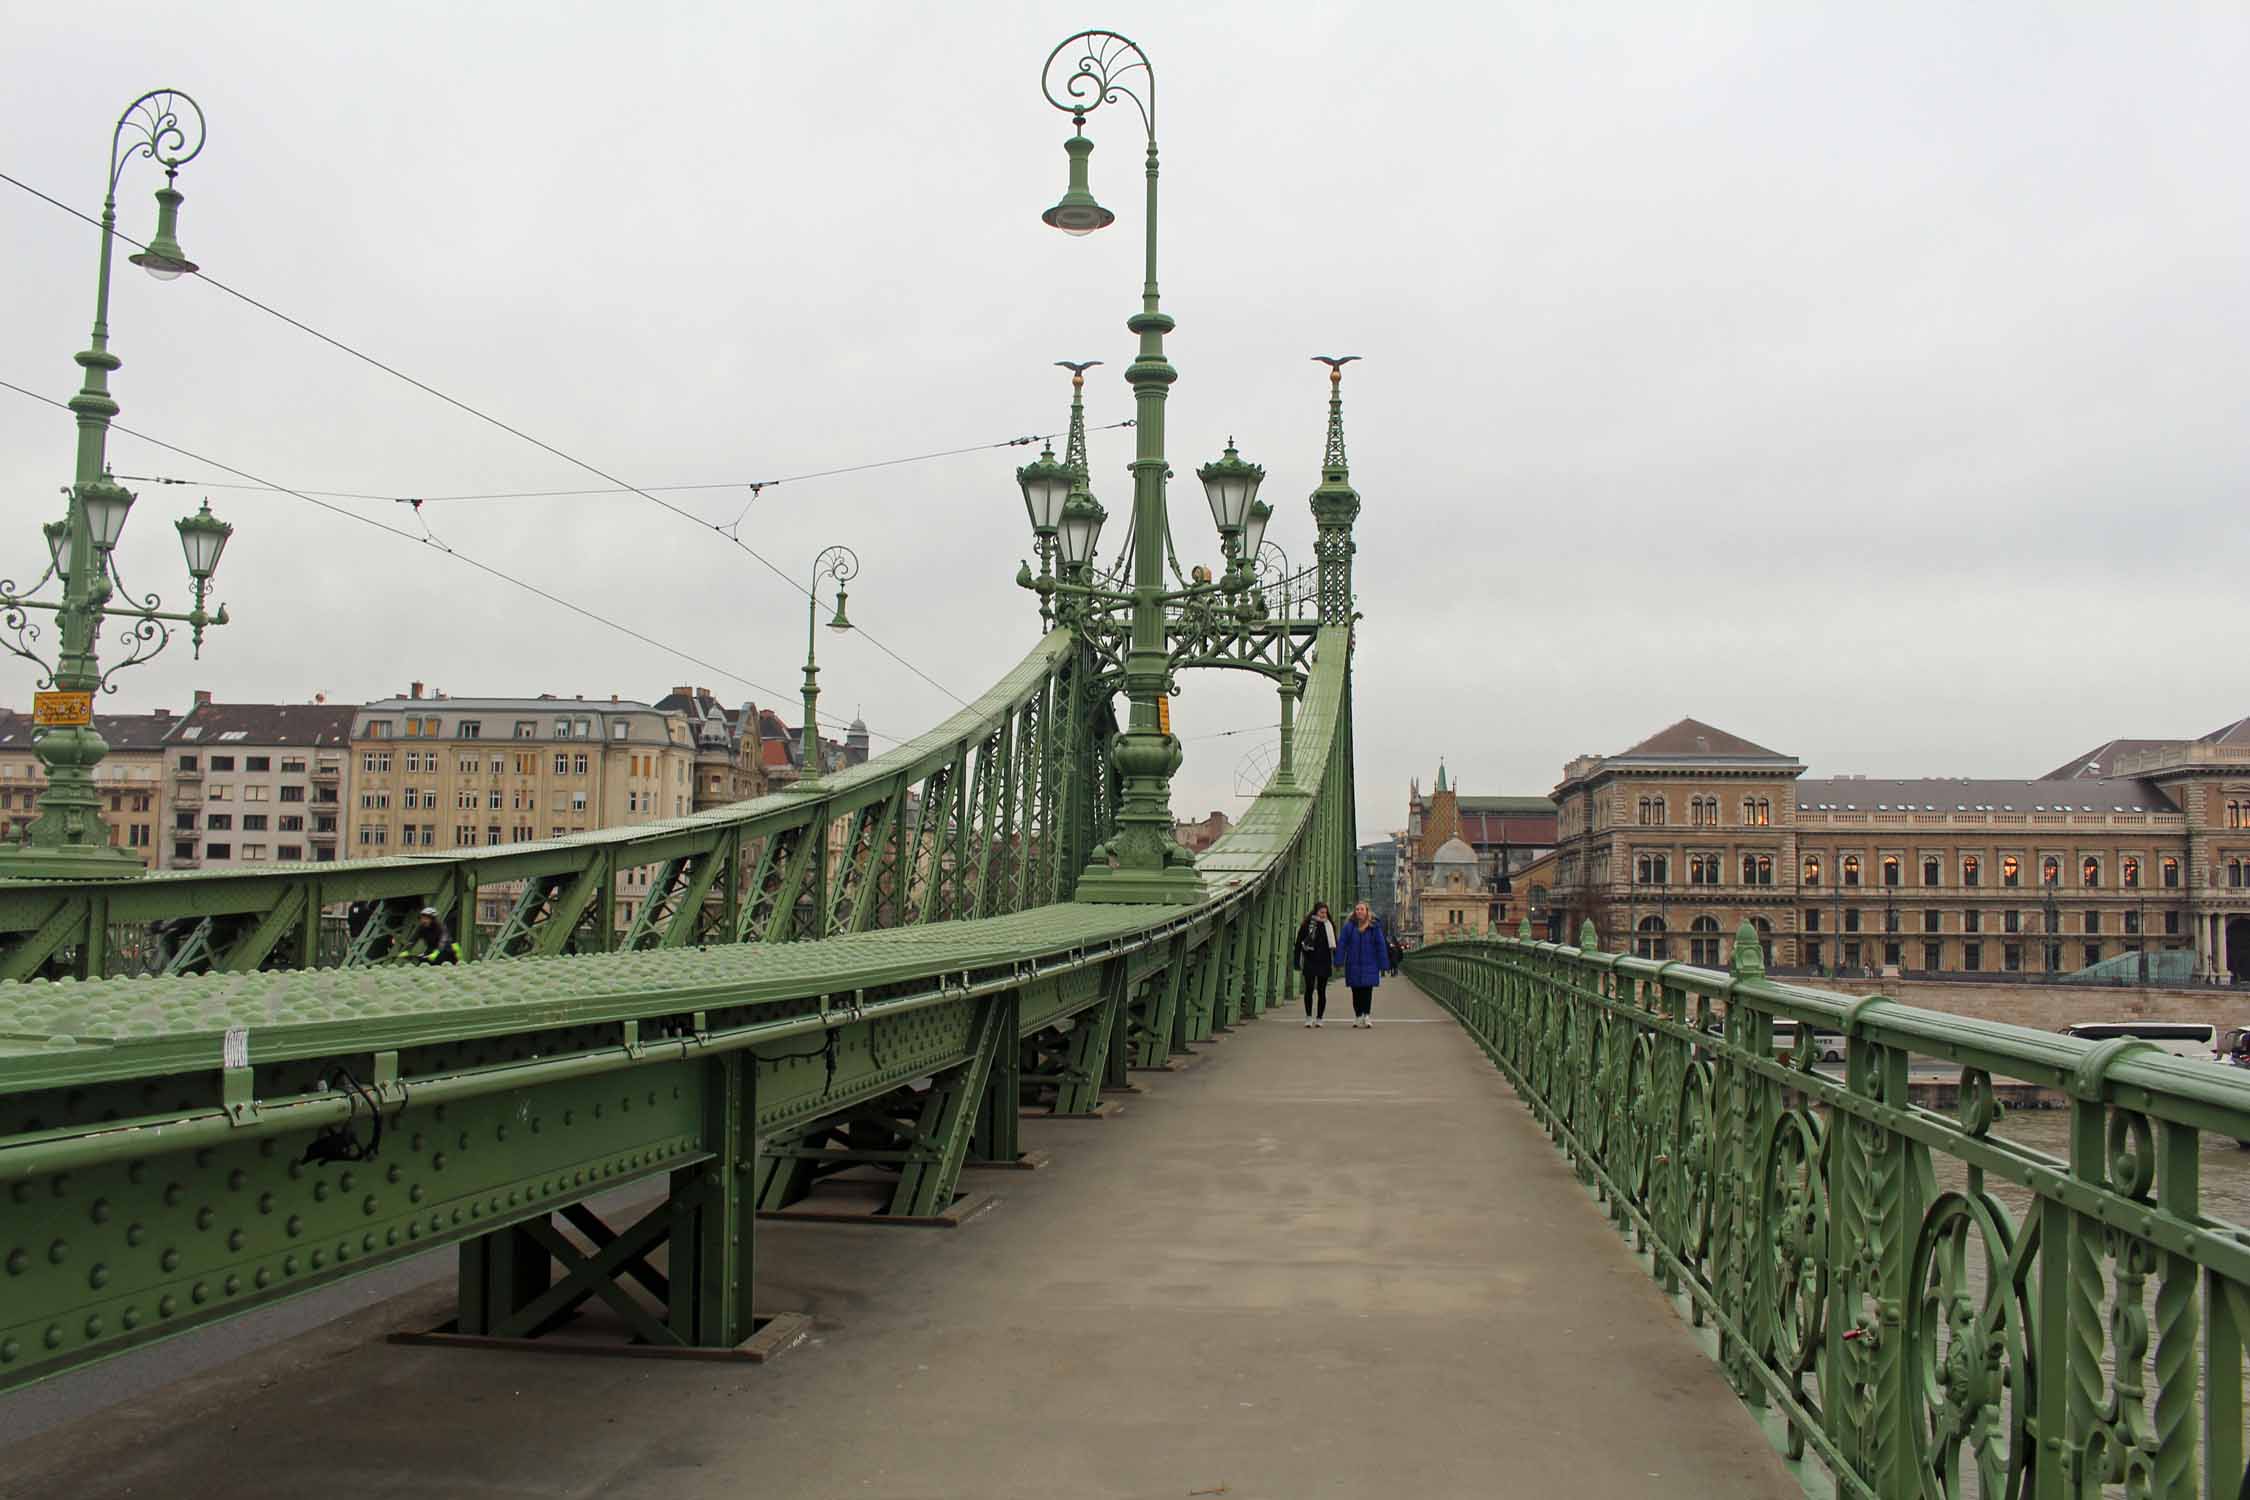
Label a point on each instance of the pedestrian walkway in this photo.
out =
(1318, 1263)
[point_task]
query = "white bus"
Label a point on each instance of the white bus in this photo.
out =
(2197, 1039)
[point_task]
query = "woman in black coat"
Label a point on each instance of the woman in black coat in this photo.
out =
(1315, 959)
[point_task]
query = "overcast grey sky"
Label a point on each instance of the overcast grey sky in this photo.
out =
(1867, 380)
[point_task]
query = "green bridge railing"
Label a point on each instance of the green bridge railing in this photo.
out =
(991, 812)
(1915, 1301)
(178, 1149)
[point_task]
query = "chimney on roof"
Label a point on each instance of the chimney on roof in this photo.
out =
(164, 713)
(202, 697)
(613, 697)
(414, 690)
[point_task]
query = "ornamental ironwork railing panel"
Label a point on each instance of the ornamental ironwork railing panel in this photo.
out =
(1941, 1256)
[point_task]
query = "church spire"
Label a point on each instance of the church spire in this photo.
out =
(1441, 775)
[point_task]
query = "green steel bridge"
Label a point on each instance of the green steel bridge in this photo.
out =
(212, 1100)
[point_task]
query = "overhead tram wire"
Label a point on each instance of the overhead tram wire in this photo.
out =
(426, 540)
(494, 421)
(716, 484)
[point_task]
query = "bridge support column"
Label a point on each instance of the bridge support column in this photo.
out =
(1078, 1091)
(705, 1228)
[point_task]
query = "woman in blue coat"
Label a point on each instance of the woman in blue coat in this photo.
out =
(1362, 949)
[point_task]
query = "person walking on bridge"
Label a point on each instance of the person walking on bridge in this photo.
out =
(1362, 949)
(1316, 949)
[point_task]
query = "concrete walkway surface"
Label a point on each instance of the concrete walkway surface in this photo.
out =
(1317, 1263)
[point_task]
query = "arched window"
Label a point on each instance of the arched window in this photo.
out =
(2050, 870)
(2234, 815)
(1929, 870)
(2171, 871)
(2011, 870)
(2129, 869)
(1812, 869)
(1703, 942)
(1651, 942)
(1765, 939)
(1656, 806)
(1749, 810)
(2090, 871)
(1765, 870)
(1890, 869)
(1851, 869)
(1765, 811)
(1970, 869)
(2234, 872)
(1749, 869)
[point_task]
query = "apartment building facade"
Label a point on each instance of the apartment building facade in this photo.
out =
(256, 783)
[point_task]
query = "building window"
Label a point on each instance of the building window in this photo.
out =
(469, 729)
(1812, 955)
(2129, 868)
(257, 763)
(2011, 921)
(2133, 923)
(1650, 941)
(1851, 919)
(1972, 921)
(492, 800)
(1970, 869)
(1652, 869)
(255, 792)
(1972, 957)
(1892, 956)
(253, 851)
(222, 762)
(1929, 870)
(1851, 956)
(253, 822)
(2050, 870)
(187, 763)
(578, 765)
(1703, 941)
(220, 822)
(219, 851)
(183, 849)
(1930, 922)
(492, 835)
(1932, 957)
(562, 764)
(1757, 869)
(2171, 924)
(620, 730)
(1812, 919)
(1890, 869)
(2171, 872)
(2090, 871)
(2011, 870)
(291, 766)
(375, 761)
(2093, 921)
(2234, 872)
(2093, 954)
(1890, 919)
(292, 794)
(527, 729)
(1703, 869)
(2011, 957)
(379, 729)
(1812, 869)
(1851, 869)
(2234, 814)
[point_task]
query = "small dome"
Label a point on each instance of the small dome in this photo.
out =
(1454, 852)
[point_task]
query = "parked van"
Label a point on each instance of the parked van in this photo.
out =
(2196, 1039)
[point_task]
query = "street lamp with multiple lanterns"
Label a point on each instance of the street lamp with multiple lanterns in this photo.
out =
(1131, 618)
(68, 839)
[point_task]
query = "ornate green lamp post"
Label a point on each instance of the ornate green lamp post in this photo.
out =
(1143, 862)
(67, 839)
(840, 564)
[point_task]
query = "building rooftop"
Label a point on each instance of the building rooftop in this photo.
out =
(1950, 794)
(1692, 739)
(309, 724)
(1531, 805)
(119, 731)
(1454, 852)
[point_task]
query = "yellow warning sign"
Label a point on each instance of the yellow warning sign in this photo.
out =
(1164, 713)
(61, 710)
